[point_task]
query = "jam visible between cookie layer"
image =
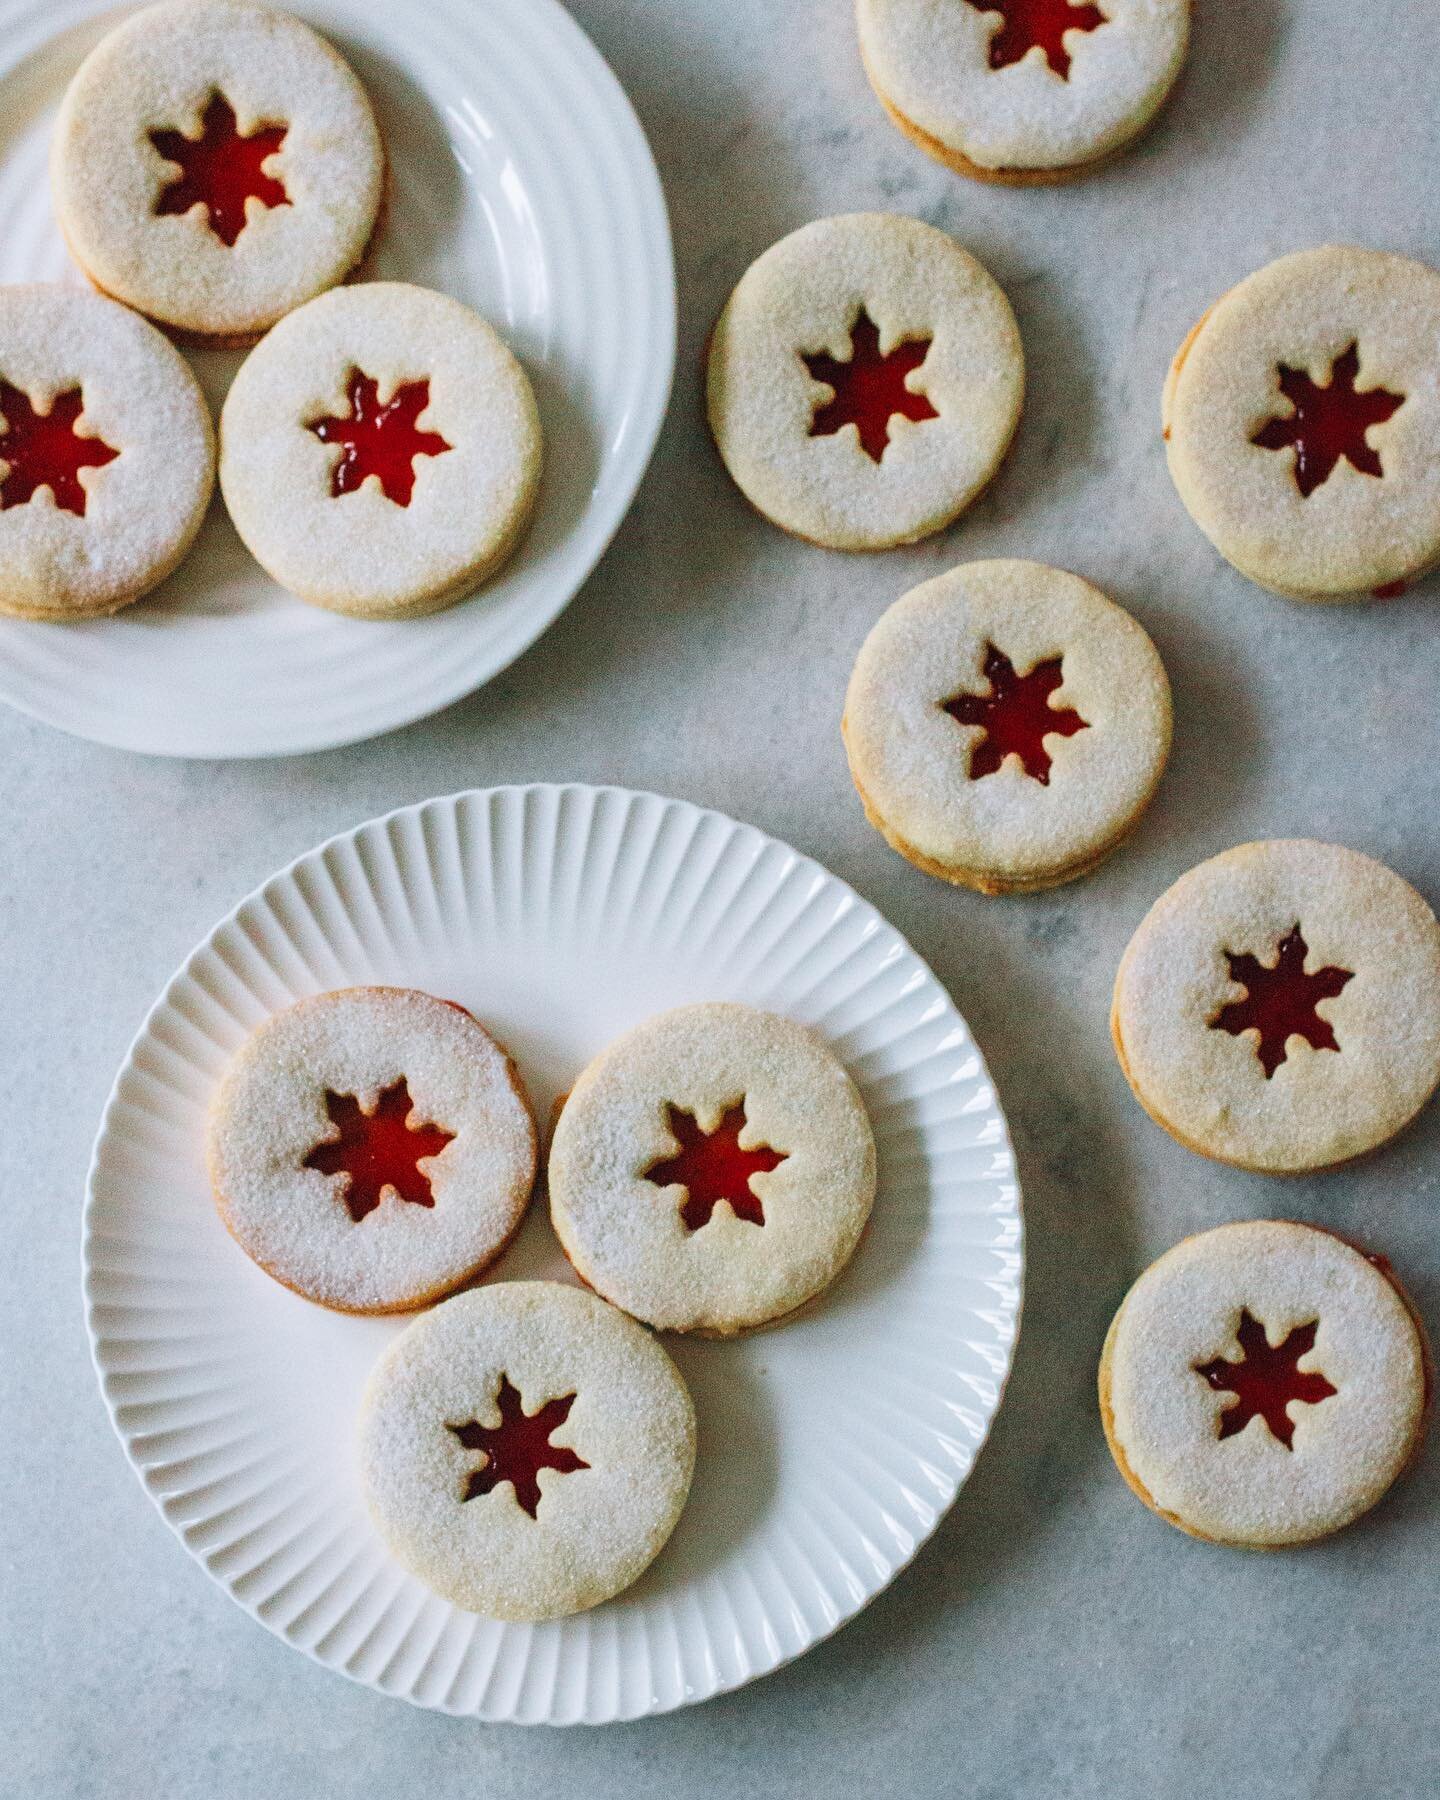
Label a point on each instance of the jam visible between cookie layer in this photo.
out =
(1266, 1379)
(221, 169)
(1016, 716)
(870, 388)
(712, 1167)
(518, 1448)
(45, 450)
(1043, 22)
(379, 1149)
(381, 440)
(1281, 1001)
(1329, 422)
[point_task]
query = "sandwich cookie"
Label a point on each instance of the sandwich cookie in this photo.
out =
(1006, 725)
(372, 1148)
(1279, 1007)
(1264, 1384)
(526, 1450)
(864, 381)
(214, 165)
(712, 1170)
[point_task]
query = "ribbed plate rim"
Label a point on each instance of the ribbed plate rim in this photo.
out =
(521, 794)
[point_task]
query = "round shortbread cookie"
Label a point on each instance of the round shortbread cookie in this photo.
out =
(1023, 91)
(864, 381)
(107, 455)
(712, 1170)
(1264, 1384)
(1279, 1007)
(1006, 725)
(372, 1148)
(215, 164)
(526, 1450)
(1302, 424)
(380, 451)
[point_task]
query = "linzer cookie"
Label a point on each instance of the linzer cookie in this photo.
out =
(1006, 725)
(372, 1148)
(380, 451)
(214, 165)
(712, 1170)
(107, 457)
(1023, 91)
(864, 381)
(1302, 423)
(526, 1450)
(1279, 1007)
(1264, 1384)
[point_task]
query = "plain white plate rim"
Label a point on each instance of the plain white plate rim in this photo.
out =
(380, 822)
(34, 26)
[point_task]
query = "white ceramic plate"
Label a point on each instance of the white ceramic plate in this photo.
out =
(829, 1448)
(523, 185)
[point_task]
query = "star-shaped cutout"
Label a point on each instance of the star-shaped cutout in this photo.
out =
(220, 170)
(381, 440)
(1016, 716)
(1026, 23)
(378, 1150)
(1266, 1379)
(1281, 1001)
(518, 1448)
(712, 1167)
(45, 450)
(1329, 422)
(870, 388)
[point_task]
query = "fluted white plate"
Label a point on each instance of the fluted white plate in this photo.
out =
(522, 184)
(829, 1447)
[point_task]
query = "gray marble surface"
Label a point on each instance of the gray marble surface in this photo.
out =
(1053, 1639)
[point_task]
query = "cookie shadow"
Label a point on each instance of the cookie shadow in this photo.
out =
(1216, 775)
(737, 1466)
(425, 182)
(1059, 447)
(1227, 75)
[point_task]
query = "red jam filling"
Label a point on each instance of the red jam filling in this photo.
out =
(1266, 1379)
(380, 440)
(378, 1150)
(45, 450)
(518, 1448)
(221, 169)
(869, 389)
(1043, 22)
(712, 1167)
(1329, 422)
(1016, 716)
(1281, 1001)
(1389, 590)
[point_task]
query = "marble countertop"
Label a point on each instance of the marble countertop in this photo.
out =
(1053, 1639)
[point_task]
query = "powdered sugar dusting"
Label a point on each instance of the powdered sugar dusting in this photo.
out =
(595, 1528)
(1355, 532)
(362, 553)
(142, 509)
(931, 60)
(1248, 1488)
(805, 294)
(910, 759)
(1320, 1107)
(626, 1236)
(157, 71)
(270, 1113)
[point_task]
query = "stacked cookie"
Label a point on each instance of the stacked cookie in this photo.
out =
(217, 171)
(526, 1448)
